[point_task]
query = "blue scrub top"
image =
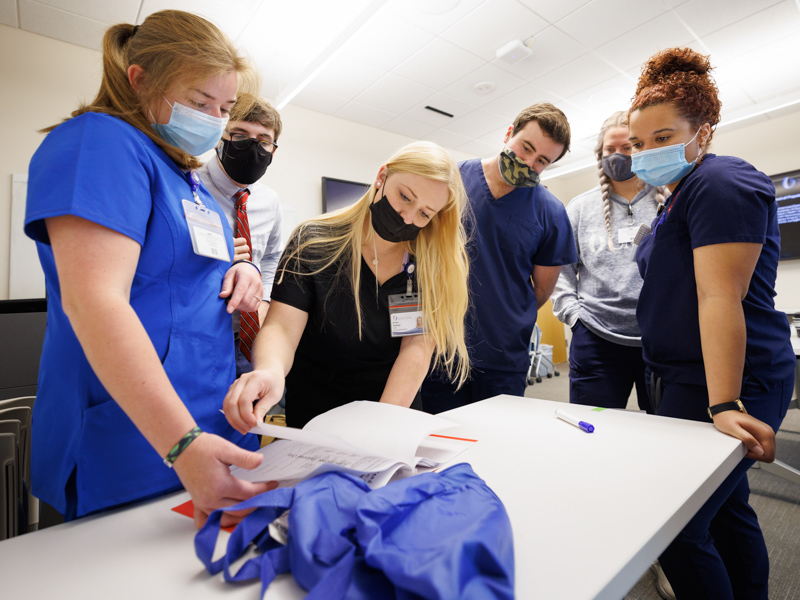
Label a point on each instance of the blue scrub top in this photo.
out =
(723, 200)
(508, 236)
(102, 169)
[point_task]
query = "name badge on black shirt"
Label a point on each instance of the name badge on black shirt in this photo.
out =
(405, 315)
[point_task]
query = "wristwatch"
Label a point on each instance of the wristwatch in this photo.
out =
(718, 408)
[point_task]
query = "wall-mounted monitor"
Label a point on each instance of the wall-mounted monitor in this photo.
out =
(787, 194)
(338, 193)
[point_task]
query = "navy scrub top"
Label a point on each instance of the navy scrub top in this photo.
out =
(508, 236)
(102, 169)
(723, 200)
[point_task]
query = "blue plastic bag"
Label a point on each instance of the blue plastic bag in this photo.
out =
(435, 535)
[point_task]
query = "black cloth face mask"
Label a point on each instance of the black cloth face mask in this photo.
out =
(388, 224)
(243, 166)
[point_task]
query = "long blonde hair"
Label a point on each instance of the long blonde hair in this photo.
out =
(442, 265)
(618, 119)
(172, 46)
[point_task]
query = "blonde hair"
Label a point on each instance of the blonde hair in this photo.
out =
(439, 252)
(618, 119)
(173, 47)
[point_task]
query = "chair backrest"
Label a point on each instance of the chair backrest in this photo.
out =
(23, 415)
(31, 504)
(15, 402)
(9, 493)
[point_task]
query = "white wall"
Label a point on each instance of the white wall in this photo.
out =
(43, 80)
(769, 144)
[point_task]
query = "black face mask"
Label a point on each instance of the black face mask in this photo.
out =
(243, 166)
(388, 224)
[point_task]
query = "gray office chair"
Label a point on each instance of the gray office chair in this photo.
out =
(33, 502)
(30, 506)
(13, 510)
(9, 493)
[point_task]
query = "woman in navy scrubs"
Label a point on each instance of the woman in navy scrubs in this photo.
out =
(715, 346)
(138, 351)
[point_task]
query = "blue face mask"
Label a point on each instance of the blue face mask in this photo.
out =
(192, 131)
(661, 166)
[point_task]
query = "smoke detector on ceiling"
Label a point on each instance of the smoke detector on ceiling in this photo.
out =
(484, 87)
(513, 52)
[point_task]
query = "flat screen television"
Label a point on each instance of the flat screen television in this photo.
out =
(338, 193)
(787, 194)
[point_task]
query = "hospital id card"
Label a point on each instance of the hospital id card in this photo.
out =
(405, 315)
(205, 229)
(626, 234)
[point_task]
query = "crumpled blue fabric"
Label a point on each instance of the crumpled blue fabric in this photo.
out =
(434, 535)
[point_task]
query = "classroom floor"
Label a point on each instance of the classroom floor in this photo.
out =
(776, 500)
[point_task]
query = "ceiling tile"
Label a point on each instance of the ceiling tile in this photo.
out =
(551, 49)
(387, 40)
(510, 105)
(439, 64)
(405, 125)
(583, 72)
(60, 25)
(601, 21)
(763, 84)
(361, 113)
(707, 16)
(665, 31)
(347, 75)
(447, 139)
(478, 123)
(319, 101)
(553, 11)
(738, 39)
(8, 13)
(482, 32)
(477, 148)
(504, 82)
(280, 50)
(444, 102)
(111, 13)
(394, 94)
(427, 12)
(235, 19)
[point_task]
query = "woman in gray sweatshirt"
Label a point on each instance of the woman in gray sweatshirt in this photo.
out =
(596, 297)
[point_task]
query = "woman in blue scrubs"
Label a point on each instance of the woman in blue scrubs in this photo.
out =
(715, 346)
(138, 351)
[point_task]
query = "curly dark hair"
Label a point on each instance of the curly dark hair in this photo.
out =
(682, 78)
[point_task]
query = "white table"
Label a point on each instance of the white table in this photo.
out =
(590, 512)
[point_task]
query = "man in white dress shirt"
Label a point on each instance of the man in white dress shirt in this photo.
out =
(245, 151)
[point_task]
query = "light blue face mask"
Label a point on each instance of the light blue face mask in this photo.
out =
(192, 131)
(661, 166)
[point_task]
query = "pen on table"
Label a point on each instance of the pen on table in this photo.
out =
(564, 416)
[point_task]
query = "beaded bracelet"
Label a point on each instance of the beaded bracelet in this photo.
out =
(182, 444)
(249, 262)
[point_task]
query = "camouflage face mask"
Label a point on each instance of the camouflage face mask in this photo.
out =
(515, 172)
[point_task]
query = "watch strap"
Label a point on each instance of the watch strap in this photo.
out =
(734, 405)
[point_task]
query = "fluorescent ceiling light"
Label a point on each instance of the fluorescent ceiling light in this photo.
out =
(328, 54)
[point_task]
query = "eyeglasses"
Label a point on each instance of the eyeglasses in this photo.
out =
(241, 141)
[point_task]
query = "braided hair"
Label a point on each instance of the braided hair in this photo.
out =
(618, 119)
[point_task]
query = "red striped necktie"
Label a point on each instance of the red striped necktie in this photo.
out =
(248, 324)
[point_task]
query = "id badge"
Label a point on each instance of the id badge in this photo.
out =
(205, 228)
(405, 315)
(627, 234)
